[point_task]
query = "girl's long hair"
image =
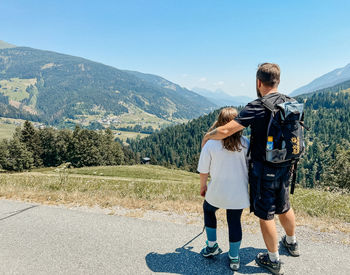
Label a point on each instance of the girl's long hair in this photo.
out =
(233, 142)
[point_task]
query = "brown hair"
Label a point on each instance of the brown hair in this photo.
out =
(269, 74)
(233, 142)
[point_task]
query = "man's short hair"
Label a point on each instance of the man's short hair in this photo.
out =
(269, 74)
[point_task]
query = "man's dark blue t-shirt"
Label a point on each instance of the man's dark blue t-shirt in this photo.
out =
(257, 117)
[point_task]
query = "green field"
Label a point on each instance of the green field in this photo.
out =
(6, 130)
(147, 172)
(15, 88)
(125, 134)
(135, 116)
(145, 187)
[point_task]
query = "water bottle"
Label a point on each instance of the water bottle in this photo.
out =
(269, 148)
(269, 145)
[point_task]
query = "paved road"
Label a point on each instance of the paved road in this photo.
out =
(37, 239)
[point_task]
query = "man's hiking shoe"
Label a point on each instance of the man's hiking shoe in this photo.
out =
(234, 263)
(293, 249)
(211, 251)
(263, 260)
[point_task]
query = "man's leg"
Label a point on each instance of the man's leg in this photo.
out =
(264, 207)
(287, 218)
(270, 260)
(268, 230)
(289, 240)
(288, 222)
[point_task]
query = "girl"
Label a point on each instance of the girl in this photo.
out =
(226, 162)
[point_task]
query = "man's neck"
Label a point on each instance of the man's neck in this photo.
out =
(271, 91)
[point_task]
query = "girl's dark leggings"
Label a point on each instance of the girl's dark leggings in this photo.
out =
(233, 219)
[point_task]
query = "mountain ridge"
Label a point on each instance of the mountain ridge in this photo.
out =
(5, 45)
(221, 98)
(327, 80)
(57, 86)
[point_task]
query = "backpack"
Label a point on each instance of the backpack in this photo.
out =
(285, 135)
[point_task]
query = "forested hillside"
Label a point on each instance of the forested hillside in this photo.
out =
(336, 88)
(325, 162)
(6, 110)
(56, 86)
(327, 157)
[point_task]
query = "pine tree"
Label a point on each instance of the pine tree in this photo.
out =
(48, 138)
(338, 173)
(30, 137)
(19, 157)
(4, 155)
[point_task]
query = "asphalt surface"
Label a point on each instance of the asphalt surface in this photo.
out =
(38, 239)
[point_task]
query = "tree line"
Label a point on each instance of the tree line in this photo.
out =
(48, 147)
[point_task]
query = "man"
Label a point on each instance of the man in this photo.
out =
(269, 186)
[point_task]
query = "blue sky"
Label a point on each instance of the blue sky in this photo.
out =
(209, 44)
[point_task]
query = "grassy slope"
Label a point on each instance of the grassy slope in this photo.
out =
(6, 130)
(146, 187)
(126, 134)
(8, 126)
(135, 116)
(15, 88)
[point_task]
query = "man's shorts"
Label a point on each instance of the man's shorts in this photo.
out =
(269, 190)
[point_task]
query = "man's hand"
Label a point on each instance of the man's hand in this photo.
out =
(203, 190)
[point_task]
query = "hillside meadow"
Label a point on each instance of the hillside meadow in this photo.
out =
(149, 187)
(7, 130)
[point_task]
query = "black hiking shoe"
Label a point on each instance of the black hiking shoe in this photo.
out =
(211, 251)
(293, 249)
(263, 260)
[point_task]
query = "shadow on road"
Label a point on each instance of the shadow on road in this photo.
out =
(14, 213)
(283, 251)
(185, 261)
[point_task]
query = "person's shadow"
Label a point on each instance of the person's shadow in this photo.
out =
(185, 261)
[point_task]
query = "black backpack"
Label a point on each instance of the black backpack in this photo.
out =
(285, 135)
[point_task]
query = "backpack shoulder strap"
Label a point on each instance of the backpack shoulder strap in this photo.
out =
(271, 106)
(294, 177)
(268, 104)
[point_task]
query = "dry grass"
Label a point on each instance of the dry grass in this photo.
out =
(146, 187)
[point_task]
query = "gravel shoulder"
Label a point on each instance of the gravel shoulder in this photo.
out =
(41, 239)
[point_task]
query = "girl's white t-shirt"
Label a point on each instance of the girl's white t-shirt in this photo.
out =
(228, 187)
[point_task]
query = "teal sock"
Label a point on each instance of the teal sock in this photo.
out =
(234, 249)
(211, 234)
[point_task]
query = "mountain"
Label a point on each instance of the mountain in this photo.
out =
(162, 83)
(221, 99)
(5, 45)
(56, 86)
(327, 80)
(336, 88)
